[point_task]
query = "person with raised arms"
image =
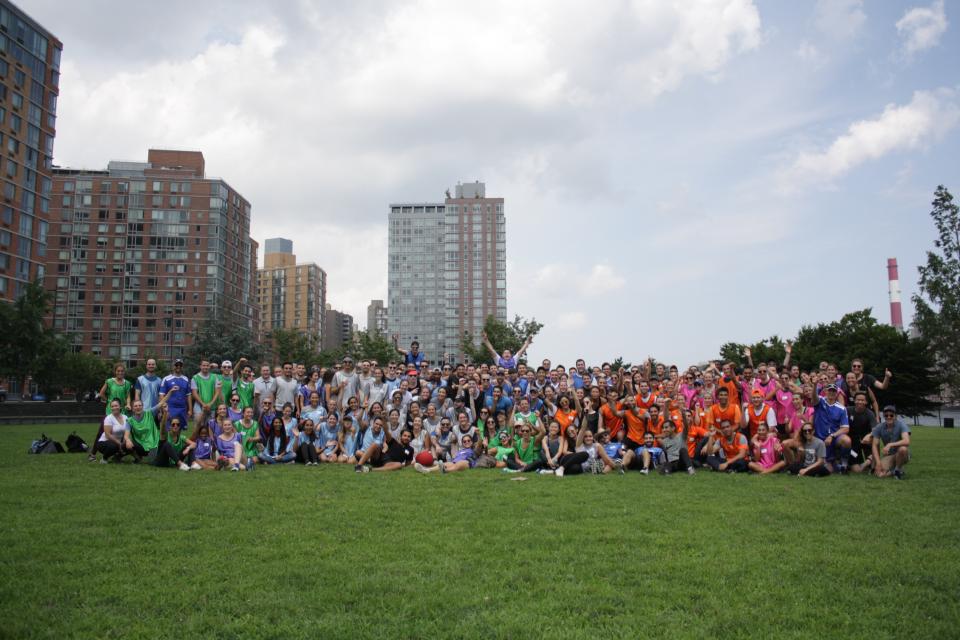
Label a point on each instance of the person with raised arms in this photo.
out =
(505, 360)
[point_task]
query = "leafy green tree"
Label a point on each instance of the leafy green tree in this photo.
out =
(216, 340)
(618, 364)
(83, 372)
(859, 335)
(772, 348)
(937, 304)
(290, 345)
(28, 348)
(371, 345)
(502, 335)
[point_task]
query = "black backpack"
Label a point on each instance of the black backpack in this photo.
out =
(45, 445)
(75, 444)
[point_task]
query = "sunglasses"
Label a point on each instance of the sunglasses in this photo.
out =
(808, 430)
(889, 415)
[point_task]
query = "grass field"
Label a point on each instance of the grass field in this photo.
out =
(132, 551)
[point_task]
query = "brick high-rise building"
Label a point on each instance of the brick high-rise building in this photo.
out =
(29, 86)
(292, 295)
(446, 270)
(143, 252)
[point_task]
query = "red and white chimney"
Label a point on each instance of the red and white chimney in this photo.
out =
(896, 315)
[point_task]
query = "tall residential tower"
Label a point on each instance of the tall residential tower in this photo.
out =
(29, 86)
(142, 252)
(292, 295)
(446, 270)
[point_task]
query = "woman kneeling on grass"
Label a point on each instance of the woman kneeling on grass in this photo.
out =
(230, 447)
(767, 452)
(277, 449)
(465, 458)
(812, 460)
(174, 448)
(114, 441)
(202, 447)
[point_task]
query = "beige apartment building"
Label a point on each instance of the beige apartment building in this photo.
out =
(292, 295)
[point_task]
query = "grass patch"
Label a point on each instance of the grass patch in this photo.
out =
(129, 550)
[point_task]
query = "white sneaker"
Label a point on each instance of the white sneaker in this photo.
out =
(546, 472)
(559, 472)
(184, 467)
(645, 471)
(419, 467)
(196, 466)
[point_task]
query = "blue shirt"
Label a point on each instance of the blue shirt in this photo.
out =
(149, 388)
(176, 399)
(369, 438)
(828, 418)
(414, 358)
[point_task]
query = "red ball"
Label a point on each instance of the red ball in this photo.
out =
(425, 458)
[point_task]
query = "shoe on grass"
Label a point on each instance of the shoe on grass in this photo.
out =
(184, 467)
(196, 466)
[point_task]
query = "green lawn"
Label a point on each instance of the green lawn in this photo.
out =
(132, 551)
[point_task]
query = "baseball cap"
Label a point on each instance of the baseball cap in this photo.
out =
(226, 363)
(890, 407)
(831, 387)
(178, 361)
(412, 372)
(756, 392)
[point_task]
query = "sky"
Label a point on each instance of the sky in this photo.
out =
(677, 175)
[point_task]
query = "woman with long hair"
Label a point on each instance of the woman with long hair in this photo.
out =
(277, 448)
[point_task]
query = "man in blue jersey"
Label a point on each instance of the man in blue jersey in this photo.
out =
(831, 424)
(414, 357)
(175, 389)
(147, 388)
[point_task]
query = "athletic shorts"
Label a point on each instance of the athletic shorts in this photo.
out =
(178, 412)
(889, 462)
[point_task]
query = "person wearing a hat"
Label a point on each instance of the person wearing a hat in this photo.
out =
(758, 412)
(831, 424)
(175, 389)
(890, 444)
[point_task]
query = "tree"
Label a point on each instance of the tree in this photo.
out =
(371, 345)
(773, 348)
(502, 336)
(216, 340)
(937, 304)
(859, 335)
(27, 346)
(83, 372)
(289, 345)
(618, 364)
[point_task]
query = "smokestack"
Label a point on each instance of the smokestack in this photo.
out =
(896, 316)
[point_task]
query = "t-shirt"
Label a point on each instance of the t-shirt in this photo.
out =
(671, 446)
(206, 387)
(718, 414)
(226, 445)
(149, 388)
(891, 434)
(144, 430)
(611, 421)
(117, 426)
(828, 418)
(287, 390)
(767, 416)
(350, 389)
(266, 389)
(527, 453)
(245, 390)
(813, 450)
(614, 450)
(204, 449)
(467, 455)
(117, 391)
(369, 438)
(733, 446)
(861, 423)
(414, 358)
(397, 452)
(694, 435)
(766, 453)
(635, 426)
(175, 399)
(249, 445)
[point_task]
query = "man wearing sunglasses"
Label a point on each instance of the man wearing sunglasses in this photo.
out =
(890, 444)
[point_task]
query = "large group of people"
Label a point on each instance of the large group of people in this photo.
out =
(761, 418)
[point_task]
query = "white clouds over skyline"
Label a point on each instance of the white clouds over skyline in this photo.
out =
(638, 145)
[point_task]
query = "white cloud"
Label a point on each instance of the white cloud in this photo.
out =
(810, 54)
(840, 19)
(925, 119)
(920, 28)
(556, 280)
(572, 320)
